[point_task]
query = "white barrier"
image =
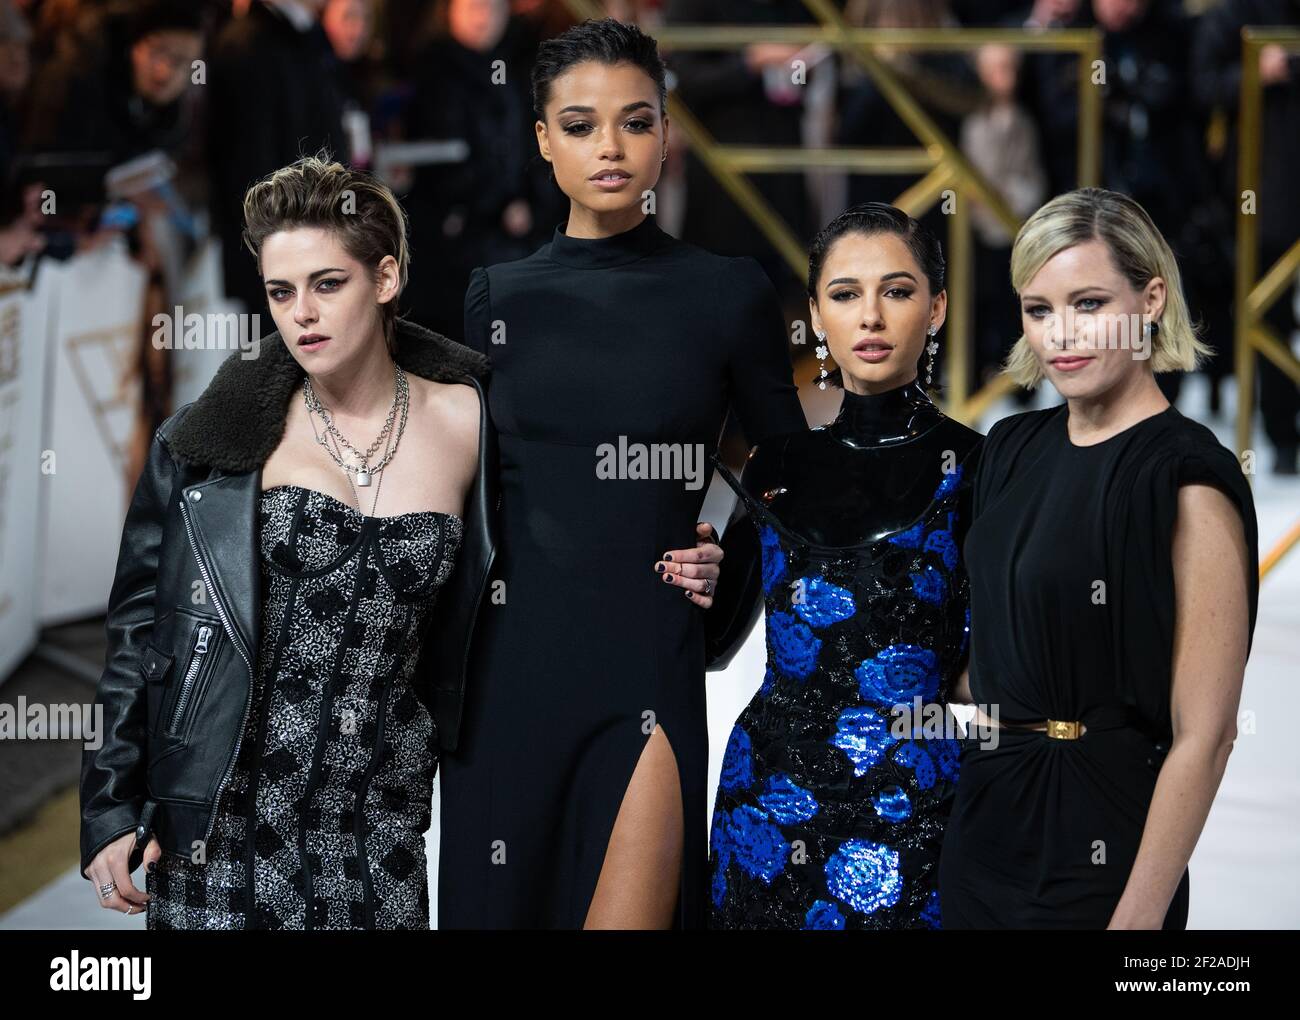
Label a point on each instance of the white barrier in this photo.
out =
(69, 395)
(22, 373)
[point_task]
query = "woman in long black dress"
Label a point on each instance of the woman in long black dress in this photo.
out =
(577, 796)
(828, 814)
(1114, 581)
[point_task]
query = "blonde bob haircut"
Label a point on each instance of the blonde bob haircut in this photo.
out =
(356, 206)
(1138, 251)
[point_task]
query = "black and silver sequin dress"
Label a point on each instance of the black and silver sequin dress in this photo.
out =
(322, 822)
(830, 809)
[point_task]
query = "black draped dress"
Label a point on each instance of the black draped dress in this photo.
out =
(614, 363)
(1072, 618)
(831, 807)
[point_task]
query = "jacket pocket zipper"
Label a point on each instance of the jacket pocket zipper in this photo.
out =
(191, 674)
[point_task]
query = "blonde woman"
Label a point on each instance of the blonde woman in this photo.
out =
(1113, 585)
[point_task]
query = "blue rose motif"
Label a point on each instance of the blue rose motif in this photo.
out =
(949, 483)
(929, 758)
(823, 603)
(773, 557)
(930, 913)
(898, 674)
(864, 875)
(737, 762)
(892, 804)
(794, 648)
(862, 734)
(823, 916)
(929, 585)
(911, 538)
(755, 844)
(942, 543)
(787, 801)
(947, 755)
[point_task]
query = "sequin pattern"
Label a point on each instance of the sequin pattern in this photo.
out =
(324, 815)
(830, 810)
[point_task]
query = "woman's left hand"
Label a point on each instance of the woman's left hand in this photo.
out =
(696, 570)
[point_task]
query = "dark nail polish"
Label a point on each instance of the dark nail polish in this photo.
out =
(152, 865)
(668, 578)
(687, 592)
(668, 556)
(660, 567)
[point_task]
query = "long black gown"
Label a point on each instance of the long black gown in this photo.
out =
(828, 815)
(596, 345)
(1072, 618)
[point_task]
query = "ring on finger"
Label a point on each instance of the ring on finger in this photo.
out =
(106, 890)
(708, 586)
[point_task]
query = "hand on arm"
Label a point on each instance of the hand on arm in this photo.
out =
(694, 570)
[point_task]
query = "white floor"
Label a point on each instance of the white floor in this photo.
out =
(1243, 872)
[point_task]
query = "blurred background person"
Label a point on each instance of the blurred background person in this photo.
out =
(349, 25)
(274, 94)
(1001, 142)
(1216, 56)
(20, 222)
(499, 204)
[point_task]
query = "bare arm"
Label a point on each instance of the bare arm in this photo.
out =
(1211, 626)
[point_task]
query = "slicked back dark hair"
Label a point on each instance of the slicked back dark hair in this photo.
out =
(606, 41)
(871, 218)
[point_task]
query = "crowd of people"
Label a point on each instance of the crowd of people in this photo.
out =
(181, 104)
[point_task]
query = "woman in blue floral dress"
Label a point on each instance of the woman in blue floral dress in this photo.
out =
(838, 776)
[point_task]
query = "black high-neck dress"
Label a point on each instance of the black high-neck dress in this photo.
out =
(1072, 618)
(601, 349)
(831, 808)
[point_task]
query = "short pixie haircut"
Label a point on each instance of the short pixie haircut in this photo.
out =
(605, 41)
(360, 209)
(1138, 251)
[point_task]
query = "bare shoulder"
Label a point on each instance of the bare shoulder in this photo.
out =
(450, 409)
(1207, 519)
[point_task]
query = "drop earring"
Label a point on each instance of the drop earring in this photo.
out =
(931, 348)
(822, 352)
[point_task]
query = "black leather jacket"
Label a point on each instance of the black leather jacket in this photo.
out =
(184, 609)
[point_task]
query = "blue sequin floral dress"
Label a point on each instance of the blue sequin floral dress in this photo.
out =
(831, 805)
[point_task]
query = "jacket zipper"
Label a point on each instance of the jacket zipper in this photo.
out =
(187, 685)
(239, 647)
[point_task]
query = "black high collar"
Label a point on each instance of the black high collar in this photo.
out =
(894, 416)
(605, 252)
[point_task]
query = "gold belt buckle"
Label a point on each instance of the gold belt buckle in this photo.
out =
(1063, 730)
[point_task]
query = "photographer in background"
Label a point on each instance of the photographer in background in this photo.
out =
(20, 234)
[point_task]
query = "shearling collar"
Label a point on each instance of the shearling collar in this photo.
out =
(238, 421)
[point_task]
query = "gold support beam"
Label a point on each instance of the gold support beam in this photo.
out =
(1254, 298)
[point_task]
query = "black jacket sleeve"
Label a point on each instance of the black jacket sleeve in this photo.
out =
(113, 787)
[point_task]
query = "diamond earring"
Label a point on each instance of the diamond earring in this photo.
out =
(822, 353)
(931, 349)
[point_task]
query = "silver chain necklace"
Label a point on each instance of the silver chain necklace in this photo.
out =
(365, 472)
(356, 495)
